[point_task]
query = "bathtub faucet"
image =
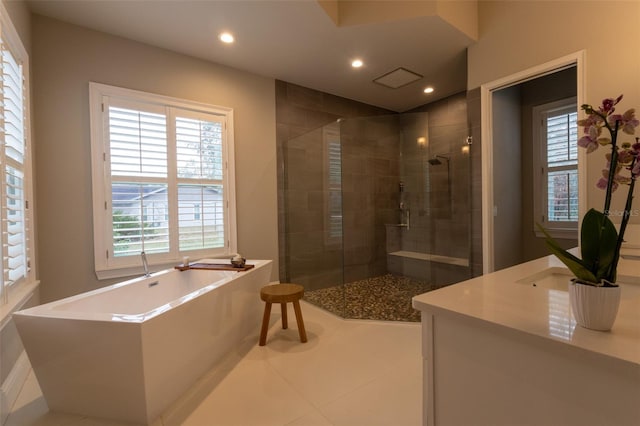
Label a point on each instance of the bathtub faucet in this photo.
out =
(144, 264)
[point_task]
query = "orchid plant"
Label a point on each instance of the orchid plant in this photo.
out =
(600, 241)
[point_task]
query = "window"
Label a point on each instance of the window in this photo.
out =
(556, 183)
(332, 148)
(163, 179)
(15, 161)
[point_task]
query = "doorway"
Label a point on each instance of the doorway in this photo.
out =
(507, 159)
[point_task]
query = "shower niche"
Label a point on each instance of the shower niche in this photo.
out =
(377, 210)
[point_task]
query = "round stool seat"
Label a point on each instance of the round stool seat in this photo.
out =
(282, 294)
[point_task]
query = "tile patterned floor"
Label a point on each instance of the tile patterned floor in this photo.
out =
(385, 298)
(349, 373)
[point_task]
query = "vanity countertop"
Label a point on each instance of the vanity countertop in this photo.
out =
(533, 298)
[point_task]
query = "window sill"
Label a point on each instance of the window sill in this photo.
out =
(17, 298)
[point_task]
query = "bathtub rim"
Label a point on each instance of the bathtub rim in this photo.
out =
(48, 310)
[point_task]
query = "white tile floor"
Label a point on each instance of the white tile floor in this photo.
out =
(348, 373)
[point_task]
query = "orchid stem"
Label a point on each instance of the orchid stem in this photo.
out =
(613, 163)
(623, 226)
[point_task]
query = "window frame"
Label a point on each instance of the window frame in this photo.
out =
(11, 40)
(557, 229)
(106, 264)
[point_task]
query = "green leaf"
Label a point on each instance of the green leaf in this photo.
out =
(598, 238)
(590, 238)
(608, 244)
(575, 264)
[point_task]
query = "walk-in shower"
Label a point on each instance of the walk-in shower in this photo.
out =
(377, 210)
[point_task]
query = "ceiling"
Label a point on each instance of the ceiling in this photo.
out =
(294, 41)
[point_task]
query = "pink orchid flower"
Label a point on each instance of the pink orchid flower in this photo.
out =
(590, 141)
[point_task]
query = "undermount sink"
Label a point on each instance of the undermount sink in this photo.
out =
(555, 278)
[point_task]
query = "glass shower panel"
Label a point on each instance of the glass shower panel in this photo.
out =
(313, 216)
(370, 192)
(447, 171)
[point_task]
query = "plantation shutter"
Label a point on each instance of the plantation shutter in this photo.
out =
(332, 151)
(562, 162)
(139, 185)
(335, 189)
(12, 161)
(138, 143)
(199, 150)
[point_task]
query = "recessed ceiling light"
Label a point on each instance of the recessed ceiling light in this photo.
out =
(357, 63)
(226, 38)
(428, 89)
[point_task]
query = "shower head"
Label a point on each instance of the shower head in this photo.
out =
(436, 162)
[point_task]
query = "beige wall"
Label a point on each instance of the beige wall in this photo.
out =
(65, 59)
(517, 35)
(21, 19)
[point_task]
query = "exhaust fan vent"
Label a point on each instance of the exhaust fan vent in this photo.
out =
(397, 78)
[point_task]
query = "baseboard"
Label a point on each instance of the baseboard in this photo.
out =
(13, 385)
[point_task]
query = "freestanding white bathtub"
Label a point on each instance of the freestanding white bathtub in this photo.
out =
(127, 351)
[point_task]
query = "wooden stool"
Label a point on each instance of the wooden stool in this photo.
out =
(282, 294)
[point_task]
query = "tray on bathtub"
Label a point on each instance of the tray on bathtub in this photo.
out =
(214, 267)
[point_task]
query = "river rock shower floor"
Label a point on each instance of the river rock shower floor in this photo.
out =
(386, 298)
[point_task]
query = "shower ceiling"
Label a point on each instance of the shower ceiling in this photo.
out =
(298, 41)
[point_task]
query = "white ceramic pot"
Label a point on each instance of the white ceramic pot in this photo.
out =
(594, 307)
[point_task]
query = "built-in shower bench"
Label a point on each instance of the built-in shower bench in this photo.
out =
(458, 261)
